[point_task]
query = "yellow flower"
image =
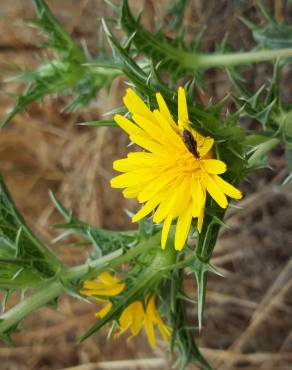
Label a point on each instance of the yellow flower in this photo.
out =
(105, 285)
(176, 170)
(135, 316)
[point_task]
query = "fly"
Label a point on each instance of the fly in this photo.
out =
(191, 143)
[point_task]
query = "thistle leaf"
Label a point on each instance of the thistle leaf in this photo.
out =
(100, 123)
(176, 11)
(169, 53)
(24, 259)
(68, 73)
(103, 241)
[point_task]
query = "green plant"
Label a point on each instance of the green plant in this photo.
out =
(153, 64)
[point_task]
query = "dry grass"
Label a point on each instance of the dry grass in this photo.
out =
(248, 315)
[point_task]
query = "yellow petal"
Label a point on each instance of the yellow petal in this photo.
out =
(146, 209)
(136, 161)
(128, 126)
(205, 144)
(201, 219)
(154, 316)
(165, 111)
(130, 164)
(137, 317)
(164, 330)
(136, 105)
(114, 290)
(104, 311)
(162, 180)
(227, 188)
(151, 311)
(165, 230)
(104, 291)
(163, 210)
(150, 145)
(168, 198)
(150, 127)
(133, 191)
(133, 178)
(125, 180)
(170, 135)
(214, 166)
(214, 190)
(108, 278)
(198, 197)
(183, 115)
(125, 319)
(124, 165)
(149, 330)
(90, 284)
(182, 228)
(182, 196)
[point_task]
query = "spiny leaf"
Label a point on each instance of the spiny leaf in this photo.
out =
(19, 247)
(68, 73)
(58, 38)
(253, 100)
(158, 47)
(274, 86)
(100, 123)
(102, 240)
(263, 116)
(201, 270)
(176, 12)
(144, 40)
(262, 105)
(273, 36)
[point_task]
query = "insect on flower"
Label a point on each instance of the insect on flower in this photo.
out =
(191, 143)
(176, 170)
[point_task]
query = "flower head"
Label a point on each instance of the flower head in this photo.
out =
(176, 170)
(104, 285)
(135, 316)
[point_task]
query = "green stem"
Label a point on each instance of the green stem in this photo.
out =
(28, 305)
(52, 264)
(110, 70)
(194, 61)
(261, 151)
(53, 289)
(112, 260)
(208, 237)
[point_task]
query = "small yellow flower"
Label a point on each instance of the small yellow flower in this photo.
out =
(135, 316)
(176, 170)
(105, 285)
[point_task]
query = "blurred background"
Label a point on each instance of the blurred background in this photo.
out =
(248, 321)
